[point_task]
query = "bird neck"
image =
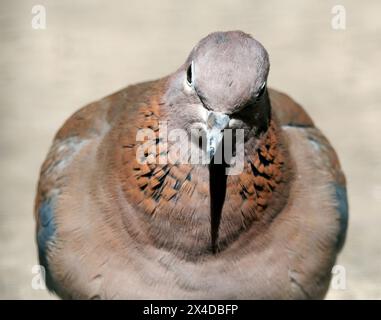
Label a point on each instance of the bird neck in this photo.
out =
(196, 210)
(253, 198)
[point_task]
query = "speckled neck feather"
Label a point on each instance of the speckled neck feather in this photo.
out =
(169, 194)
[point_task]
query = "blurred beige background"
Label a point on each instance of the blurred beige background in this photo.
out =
(92, 48)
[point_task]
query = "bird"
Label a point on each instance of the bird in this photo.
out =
(112, 225)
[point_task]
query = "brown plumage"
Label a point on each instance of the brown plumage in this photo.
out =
(109, 226)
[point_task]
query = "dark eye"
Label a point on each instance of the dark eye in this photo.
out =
(190, 75)
(261, 90)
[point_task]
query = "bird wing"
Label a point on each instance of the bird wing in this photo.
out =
(77, 132)
(287, 111)
(291, 115)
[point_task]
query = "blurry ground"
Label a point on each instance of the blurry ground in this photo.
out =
(92, 48)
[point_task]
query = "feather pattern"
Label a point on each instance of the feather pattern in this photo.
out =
(111, 227)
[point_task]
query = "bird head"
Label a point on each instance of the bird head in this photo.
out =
(221, 85)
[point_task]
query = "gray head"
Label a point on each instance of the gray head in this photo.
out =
(222, 84)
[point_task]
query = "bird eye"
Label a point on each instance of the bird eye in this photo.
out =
(190, 74)
(261, 90)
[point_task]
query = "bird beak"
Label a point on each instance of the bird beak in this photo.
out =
(216, 124)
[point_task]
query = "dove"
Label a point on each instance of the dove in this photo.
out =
(115, 220)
